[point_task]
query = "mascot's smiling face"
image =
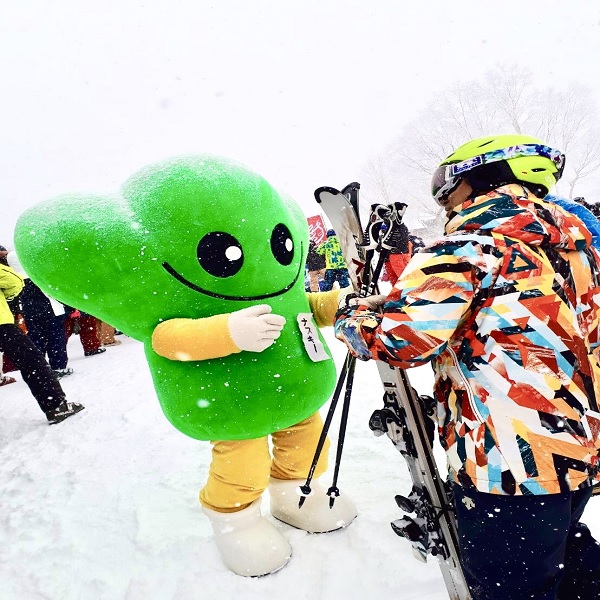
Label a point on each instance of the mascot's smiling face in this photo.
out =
(222, 255)
(189, 237)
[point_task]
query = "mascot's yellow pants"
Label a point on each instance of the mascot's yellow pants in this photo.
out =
(240, 469)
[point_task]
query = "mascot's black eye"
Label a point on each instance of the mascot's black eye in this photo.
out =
(220, 254)
(282, 245)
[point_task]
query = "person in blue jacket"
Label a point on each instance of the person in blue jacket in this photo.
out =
(579, 208)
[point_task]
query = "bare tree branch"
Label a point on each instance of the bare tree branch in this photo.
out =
(505, 100)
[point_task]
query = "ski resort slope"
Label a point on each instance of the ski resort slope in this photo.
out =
(104, 506)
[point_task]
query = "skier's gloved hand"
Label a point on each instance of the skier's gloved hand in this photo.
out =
(254, 329)
(370, 302)
(344, 295)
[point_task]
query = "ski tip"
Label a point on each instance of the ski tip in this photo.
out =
(325, 189)
(351, 186)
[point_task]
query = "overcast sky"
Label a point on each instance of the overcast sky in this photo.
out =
(304, 92)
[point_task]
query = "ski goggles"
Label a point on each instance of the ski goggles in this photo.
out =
(447, 177)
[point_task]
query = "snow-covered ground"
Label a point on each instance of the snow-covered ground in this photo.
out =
(104, 506)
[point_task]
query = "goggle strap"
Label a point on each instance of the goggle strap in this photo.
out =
(556, 156)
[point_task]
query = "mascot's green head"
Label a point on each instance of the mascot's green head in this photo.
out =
(190, 237)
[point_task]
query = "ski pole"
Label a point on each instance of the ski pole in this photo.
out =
(333, 492)
(306, 489)
(391, 217)
(371, 243)
(347, 370)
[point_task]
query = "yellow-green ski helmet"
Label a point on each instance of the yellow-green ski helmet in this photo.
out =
(489, 162)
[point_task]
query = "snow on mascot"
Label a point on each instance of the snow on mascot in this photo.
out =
(203, 261)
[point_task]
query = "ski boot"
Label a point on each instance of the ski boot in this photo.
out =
(60, 373)
(63, 411)
(94, 352)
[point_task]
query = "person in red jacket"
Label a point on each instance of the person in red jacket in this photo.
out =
(405, 245)
(87, 326)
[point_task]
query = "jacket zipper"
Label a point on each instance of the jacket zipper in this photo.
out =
(466, 385)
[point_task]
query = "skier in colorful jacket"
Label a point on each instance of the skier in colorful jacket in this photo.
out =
(201, 259)
(507, 306)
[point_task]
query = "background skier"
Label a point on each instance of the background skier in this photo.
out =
(507, 307)
(335, 266)
(315, 265)
(44, 319)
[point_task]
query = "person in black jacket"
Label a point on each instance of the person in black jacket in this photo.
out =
(44, 319)
(4, 379)
(315, 265)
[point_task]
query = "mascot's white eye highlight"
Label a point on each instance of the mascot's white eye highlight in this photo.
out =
(289, 245)
(233, 253)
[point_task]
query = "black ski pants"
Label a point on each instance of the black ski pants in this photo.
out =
(527, 547)
(45, 329)
(333, 275)
(50, 337)
(36, 372)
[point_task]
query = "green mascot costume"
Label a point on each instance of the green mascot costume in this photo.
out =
(202, 260)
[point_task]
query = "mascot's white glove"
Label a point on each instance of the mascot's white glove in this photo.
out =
(254, 329)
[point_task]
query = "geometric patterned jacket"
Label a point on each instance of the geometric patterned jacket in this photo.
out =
(507, 306)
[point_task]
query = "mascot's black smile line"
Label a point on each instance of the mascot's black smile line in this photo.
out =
(196, 288)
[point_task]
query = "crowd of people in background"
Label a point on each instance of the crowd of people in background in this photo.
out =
(34, 331)
(36, 327)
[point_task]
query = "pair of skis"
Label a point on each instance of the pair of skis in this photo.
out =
(429, 522)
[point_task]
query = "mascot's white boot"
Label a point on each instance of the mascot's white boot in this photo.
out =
(249, 545)
(315, 516)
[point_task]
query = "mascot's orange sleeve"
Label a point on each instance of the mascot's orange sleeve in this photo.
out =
(324, 305)
(194, 339)
(202, 339)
